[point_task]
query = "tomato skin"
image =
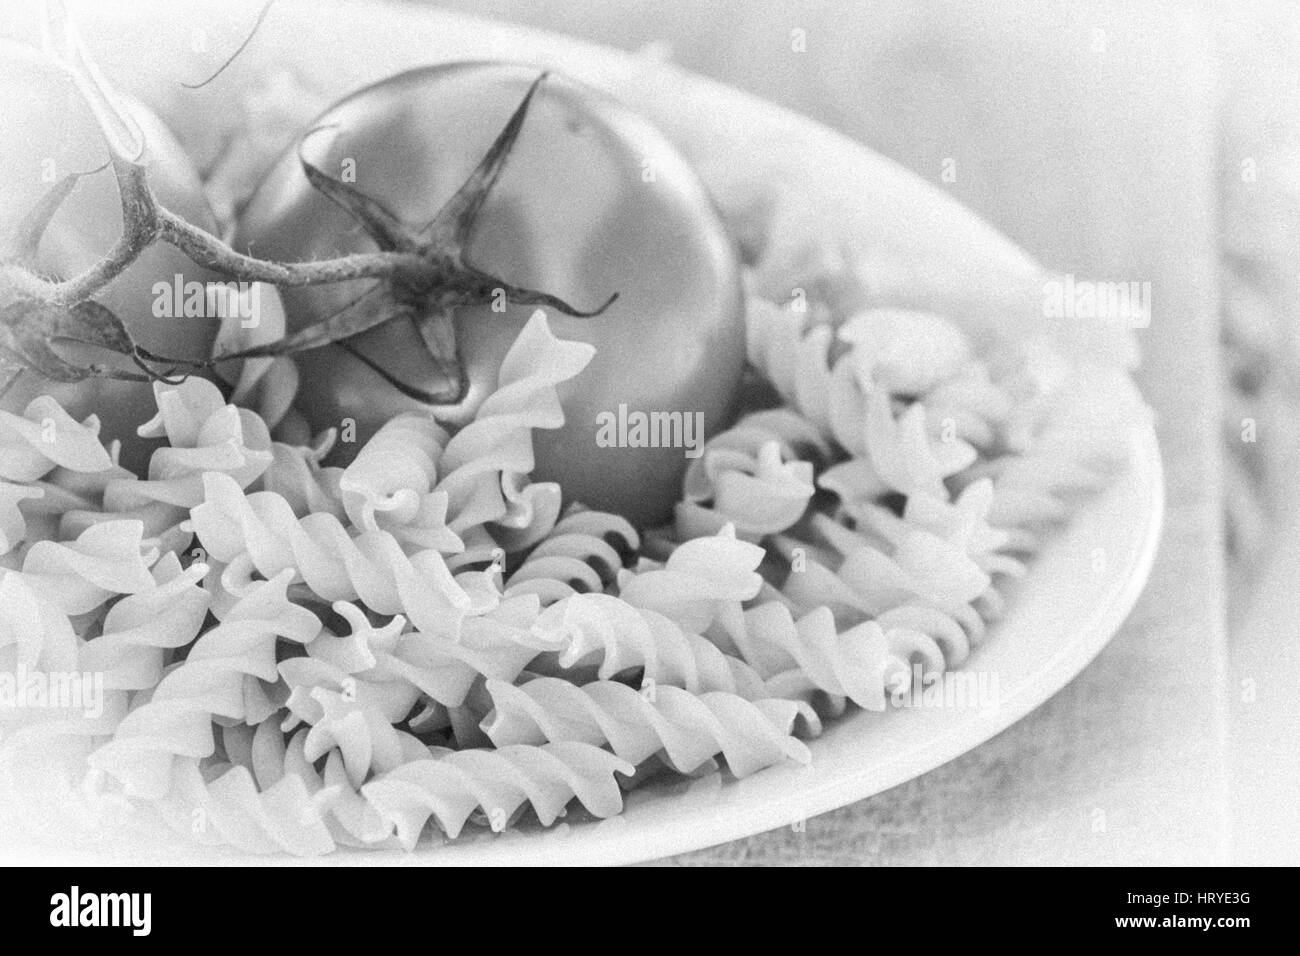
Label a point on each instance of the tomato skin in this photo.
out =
(49, 133)
(592, 201)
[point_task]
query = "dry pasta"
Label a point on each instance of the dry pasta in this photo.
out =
(297, 656)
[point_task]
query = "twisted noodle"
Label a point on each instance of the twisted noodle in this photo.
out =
(971, 408)
(963, 522)
(139, 629)
(390, 485)
(105, 560)
(266, 796)
(231, 810)
(175, 721)
(824, 372)
(582, 552)
(33, 631)
(387, 668)
(861, 663)
(500, 645)
(349, 667)
(296, 475)
(899, 454)
(483, 463)
(1073, 452)
(918, 567)
(690, 729)
(451, 785)
(852, 398)
(750, 476)
(45, 437)
(206, 437)
(794, 357)
(262, 529)
(606, 632)
(36, 637)
(701, 578)
(92, 678)
(34, 447)
(903, 351)
(13, 518)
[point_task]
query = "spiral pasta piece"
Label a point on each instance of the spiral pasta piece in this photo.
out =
(349, 665)
(862, 663)
(904, 351)
(700, 579)
(750, 476)
(852, 398)
(1075, 449)
(390, 485)
(38, 640)
(793, 356)
(451, 785)
(689, 729)
(14, 512)
(139, 629)
(318, 548)
(231, 810)
(296, 475)
(266, 796)
(350, 701)
(34, 631)
(581, 553)
(205, 437)
(395, 664)
(971, 407)
(498, 645)
(45, 437)
(918, 568)
(482, 462)
(963, 523)
(92, 678)
(606, 632)
(36, 449)
(175, 721)
(105, 560)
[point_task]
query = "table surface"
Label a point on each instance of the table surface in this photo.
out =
(1086, 131)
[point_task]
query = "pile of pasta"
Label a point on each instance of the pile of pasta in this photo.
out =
(297, 657)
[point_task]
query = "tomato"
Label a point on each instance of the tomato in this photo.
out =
(592, 201)
(48, 133)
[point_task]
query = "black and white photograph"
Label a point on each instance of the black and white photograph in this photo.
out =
(693, 433)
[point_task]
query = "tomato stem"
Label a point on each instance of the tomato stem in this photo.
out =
(207, 250)
(147, 221)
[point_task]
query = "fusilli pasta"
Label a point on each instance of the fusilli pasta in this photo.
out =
(689, 728)
(428, 636)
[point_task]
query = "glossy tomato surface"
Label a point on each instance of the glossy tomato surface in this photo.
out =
(592, 201)
(48, 132)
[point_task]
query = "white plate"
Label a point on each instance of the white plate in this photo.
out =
(1063, 613)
